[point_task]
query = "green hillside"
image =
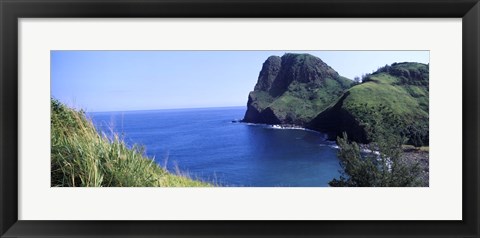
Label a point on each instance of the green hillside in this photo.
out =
(395, 96)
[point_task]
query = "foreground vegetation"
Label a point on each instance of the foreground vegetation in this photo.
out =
(81, 157)
(380, 163)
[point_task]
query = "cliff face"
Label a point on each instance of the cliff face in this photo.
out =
(395, 98)
(301, 89)
(293, 89)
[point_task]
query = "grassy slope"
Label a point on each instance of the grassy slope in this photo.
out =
(302, 101)
(407, 99)
(383, 90)
(82, 157)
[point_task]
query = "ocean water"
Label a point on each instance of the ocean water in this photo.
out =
(207, 145)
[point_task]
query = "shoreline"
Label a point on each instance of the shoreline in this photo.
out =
(281, 127)
(410, 154)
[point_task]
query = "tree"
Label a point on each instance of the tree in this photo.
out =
(380, 163)
(366, 77)
(357, 79)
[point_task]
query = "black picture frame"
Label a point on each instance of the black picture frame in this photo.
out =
(12, 10)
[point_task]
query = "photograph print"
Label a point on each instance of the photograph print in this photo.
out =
(239, 118)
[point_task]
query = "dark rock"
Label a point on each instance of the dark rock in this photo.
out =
(336, 120)
(293, 89)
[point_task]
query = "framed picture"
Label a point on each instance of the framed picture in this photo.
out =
(226, 118)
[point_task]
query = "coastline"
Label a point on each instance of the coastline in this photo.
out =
(281, 127)
(410, 154)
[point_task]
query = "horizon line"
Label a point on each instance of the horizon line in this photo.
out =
(161, 109)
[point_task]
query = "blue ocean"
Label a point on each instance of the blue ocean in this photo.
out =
(208, 146)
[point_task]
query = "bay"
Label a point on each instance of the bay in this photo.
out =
(207, 145)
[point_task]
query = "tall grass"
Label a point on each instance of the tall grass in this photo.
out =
(81, 157)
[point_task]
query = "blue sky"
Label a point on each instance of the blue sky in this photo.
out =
(147, 80)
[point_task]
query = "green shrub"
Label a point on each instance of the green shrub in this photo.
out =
(381, 164)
